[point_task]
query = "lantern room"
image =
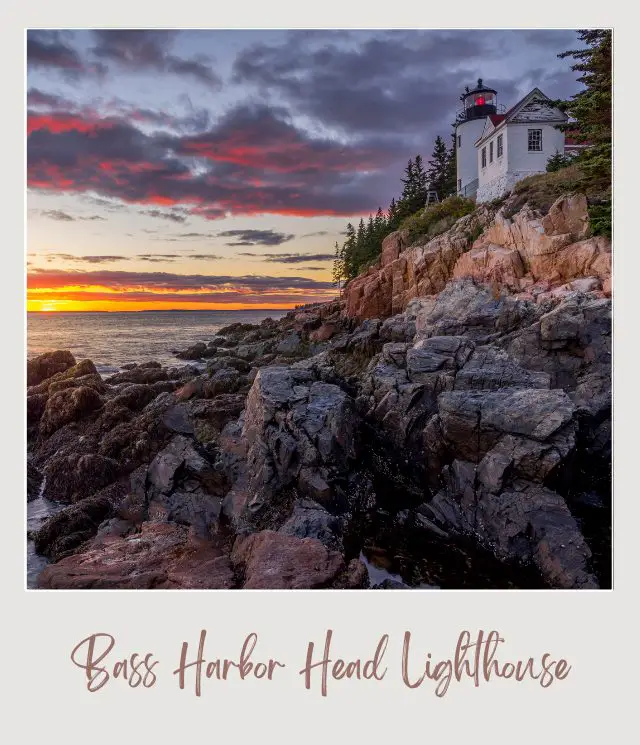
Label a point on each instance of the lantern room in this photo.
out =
(480, 102)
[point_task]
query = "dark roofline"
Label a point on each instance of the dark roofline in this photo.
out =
(508, 114)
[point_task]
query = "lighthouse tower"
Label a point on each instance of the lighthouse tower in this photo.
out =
(478, 104)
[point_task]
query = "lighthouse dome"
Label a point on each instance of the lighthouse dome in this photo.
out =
(478, 103)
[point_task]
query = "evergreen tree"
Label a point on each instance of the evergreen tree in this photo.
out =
(414, 192)
(591, 107)
(393, 218)
(370, 234)
(360, 245)
(558, 161)
(350, 269)
(451, 183)
(338, 265)
(421, 181)
(380, 226)
(439, 168)
(403, 208)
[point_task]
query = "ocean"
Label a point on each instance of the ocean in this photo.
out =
(111, 340)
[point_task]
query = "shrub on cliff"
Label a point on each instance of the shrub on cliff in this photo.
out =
(558, 161)
(542, 190)
(437, 218)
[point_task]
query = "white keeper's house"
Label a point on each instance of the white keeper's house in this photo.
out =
(497, 148)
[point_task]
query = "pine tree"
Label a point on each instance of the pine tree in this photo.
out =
(349, 254)
(408, 187)
(591, 107)
(414, 192)
(439, 168)
(360, 246)
(421, 181)
(338, 265)
(393, 218)
(380, 225)
(451, 182)
(558, 161)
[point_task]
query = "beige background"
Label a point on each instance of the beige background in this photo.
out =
(45, 694)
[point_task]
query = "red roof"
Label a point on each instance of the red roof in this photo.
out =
(496, 118)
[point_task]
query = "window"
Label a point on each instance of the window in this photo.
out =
(459, 184)
(499, 146)
(491, 152)
(459, 140)
(535, 140)
(484, 157)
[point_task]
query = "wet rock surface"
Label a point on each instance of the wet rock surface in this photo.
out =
(459, 436)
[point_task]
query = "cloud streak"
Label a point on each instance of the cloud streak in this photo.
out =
(248, 237)
(289, 258)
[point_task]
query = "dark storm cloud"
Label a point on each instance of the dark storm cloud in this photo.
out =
(256, 237)
(338, 116)
(395, 81)
(138, 49)
(254, 161)
(197, 120)
(51, 49)
(385, 84)
(38, 98)
(260, 136)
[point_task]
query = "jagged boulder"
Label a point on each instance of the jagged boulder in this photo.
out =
(47, 365)
(73, 476)
(160, 556)
(184, 486)
(68, 405)
(519, 520)
(300, 435)
(270, 560)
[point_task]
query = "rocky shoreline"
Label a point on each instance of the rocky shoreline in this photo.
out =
(455, 404)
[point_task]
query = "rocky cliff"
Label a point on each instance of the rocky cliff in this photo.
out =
(530, 255)
(454, 408)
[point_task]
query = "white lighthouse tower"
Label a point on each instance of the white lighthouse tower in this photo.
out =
(478, 104)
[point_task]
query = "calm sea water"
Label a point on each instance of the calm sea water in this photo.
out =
(113, 339)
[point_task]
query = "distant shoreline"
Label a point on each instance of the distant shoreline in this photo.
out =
(166, 310)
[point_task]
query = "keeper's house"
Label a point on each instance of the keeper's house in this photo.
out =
(495, 150)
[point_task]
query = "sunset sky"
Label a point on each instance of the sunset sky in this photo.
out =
(217, 169)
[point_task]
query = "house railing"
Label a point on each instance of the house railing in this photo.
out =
(469, 190)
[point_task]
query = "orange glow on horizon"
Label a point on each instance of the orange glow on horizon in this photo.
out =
(52, 306)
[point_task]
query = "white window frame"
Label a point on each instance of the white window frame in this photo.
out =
(483, 156)
(500, 147)
(531, 139)
(491, 152)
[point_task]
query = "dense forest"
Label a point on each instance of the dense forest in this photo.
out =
(363, 243)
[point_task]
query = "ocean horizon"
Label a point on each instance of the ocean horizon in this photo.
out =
(115, 338)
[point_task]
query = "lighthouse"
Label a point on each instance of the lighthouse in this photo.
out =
(478, 104)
